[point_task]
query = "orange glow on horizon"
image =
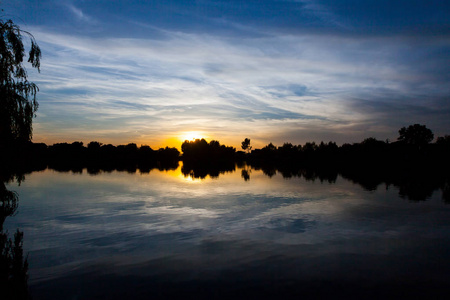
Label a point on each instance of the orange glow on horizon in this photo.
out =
(192, 136)
(173, 140)
(178, 139)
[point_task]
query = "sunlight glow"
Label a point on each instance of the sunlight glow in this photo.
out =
(190, 179)
(191, 135)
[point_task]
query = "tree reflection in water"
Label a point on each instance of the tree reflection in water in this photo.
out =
(413, 184)
(201, 170)
(13, 264)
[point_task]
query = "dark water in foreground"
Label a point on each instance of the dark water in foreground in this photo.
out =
(163, 235)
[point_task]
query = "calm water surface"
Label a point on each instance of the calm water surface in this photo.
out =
(162, 234)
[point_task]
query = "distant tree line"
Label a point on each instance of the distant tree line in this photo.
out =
(201, 150)
(413, 164)
(413, 149)
(95, 156)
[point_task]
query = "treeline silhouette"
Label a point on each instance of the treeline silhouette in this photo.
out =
(201, 159)
(416, 169)
(202, 151)
(369, 153)
(413, 164)
(28, 156)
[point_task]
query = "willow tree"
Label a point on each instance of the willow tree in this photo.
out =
(18, 103)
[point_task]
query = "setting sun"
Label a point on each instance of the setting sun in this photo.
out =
(191, 135)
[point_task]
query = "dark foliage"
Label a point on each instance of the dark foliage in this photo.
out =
(108, 157)
(443, 141)
(412, 164)
(416, 171)
(416, 134)
(201, 150)
(95, 157)
(245, 145)
(17, 95)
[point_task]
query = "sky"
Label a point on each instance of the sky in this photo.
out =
(159, 72)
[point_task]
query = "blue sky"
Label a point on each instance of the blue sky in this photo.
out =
(276, 71)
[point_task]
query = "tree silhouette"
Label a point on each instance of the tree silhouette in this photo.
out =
(443, 140)
(270, 148)
(200, 149)
(416, 134)
(18, 96)
(246, 145)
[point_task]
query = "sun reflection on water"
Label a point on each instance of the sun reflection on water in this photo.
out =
(179, 176)
(190, 179)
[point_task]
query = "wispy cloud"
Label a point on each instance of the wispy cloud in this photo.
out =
(324, 14)
(273, 86)
(79, 14)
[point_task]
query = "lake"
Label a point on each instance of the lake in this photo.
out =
(241, 234)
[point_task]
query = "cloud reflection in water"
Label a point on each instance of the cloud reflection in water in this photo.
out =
(160, 226)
